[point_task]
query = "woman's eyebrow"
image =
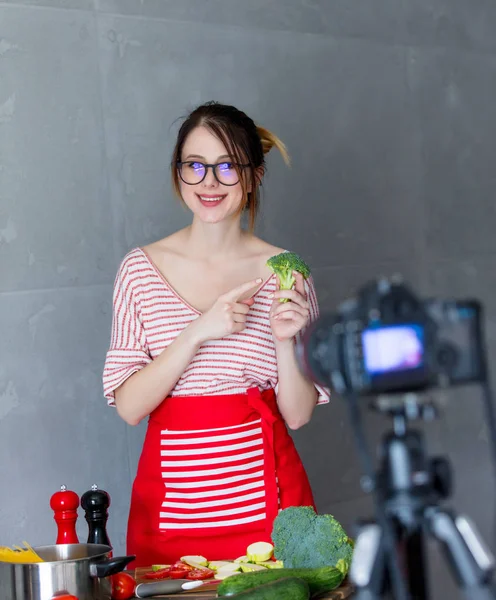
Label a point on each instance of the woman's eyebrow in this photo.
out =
(223, 156)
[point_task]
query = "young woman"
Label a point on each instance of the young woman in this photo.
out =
(202, 346)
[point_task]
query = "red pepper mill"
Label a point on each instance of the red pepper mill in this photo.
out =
(95, 503)
(65, 504)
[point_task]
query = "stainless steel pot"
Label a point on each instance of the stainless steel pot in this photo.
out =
(79, 569)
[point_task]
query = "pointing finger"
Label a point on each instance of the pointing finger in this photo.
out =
(237, 292)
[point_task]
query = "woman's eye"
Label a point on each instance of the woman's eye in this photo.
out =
(226, 166)
(196, 166)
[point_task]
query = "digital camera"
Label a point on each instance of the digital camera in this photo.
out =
(386, 340)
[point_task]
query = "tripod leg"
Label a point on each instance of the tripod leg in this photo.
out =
(411, 555)
(368, 568)
(472, 563)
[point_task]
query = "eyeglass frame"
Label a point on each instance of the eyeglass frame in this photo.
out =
(207, 166)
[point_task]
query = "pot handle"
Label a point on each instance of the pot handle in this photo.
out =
(111, 566)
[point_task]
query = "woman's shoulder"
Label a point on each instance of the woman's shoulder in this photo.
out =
(265, 249)
(131, 259)
(168, 246)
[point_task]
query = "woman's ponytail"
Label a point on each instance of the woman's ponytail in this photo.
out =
(270, 140)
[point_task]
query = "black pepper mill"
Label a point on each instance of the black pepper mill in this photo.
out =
(95, 503)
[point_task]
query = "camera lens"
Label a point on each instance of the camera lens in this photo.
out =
(314, 350)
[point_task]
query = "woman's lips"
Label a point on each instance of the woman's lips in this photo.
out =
(210, 200)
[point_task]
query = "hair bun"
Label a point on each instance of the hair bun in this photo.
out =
(269, 140)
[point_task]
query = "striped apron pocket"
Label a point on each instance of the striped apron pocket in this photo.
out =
(214, 478)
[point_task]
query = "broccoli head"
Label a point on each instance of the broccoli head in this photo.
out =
(303, 538)
(284, 265)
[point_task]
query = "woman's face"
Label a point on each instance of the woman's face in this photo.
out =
(210, 200)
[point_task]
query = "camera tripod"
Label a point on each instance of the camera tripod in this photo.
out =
(409, 487)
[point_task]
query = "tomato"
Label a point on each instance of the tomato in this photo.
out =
(181, 565)
(178, 573)
(123, 586)
(160, 574)
(180, 570)
(64, 597)
(202, 573)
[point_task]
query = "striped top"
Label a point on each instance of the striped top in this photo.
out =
(148, 315)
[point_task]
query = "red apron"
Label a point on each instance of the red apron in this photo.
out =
(213, 474)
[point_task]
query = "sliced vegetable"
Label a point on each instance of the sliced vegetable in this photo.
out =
(249, 567)
(282, 589)
(202, 573)
(195, 561)
(179, 564)
(215, 565)
(242, 559)
(259, 551)
(179, 570)
(323, 579)
(227, 570)
(159, 574)
(272, 564)
(158, 567)
(179, 573)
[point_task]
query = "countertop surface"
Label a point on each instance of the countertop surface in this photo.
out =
(209, 590)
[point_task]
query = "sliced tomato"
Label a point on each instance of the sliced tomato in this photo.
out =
(202, 573)
(123, 586)
(64, 597)
(182, 565)
(160, 574)
(178, 573)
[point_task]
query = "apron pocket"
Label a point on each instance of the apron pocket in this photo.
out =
(214, 480)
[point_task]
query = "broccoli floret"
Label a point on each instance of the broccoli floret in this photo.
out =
(284, 265)
(303, 538)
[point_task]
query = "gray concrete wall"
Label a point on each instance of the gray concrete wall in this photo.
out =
(388, 111)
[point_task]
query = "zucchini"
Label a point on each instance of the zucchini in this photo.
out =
(320, 580)
(289, 588)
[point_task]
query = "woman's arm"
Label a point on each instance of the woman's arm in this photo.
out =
(143, 391)
(296, 395)
(139, 395)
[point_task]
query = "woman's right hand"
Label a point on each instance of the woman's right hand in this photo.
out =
(227, 315)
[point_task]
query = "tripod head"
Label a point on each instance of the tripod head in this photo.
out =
(405, 408)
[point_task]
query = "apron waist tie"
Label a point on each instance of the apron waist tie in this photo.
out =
(264, 403)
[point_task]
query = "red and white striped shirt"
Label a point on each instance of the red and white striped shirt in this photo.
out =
(148, 315)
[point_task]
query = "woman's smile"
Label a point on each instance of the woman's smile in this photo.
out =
(211, 200)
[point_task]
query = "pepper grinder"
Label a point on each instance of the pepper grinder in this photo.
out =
(64, 504)
(95, 503)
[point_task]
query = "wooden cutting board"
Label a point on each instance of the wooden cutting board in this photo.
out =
(208, 591)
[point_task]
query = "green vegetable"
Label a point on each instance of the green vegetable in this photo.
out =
(284, 265)
(319, 581)
(289, 588)
(303, 538)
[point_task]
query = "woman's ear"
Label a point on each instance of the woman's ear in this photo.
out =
(259, 173)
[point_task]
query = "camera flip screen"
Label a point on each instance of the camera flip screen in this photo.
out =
(394, 348)
(394, 356)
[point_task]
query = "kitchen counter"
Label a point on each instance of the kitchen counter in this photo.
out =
(208, 592)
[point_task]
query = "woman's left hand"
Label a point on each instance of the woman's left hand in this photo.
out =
(288, 318)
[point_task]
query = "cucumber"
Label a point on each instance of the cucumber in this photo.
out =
(289, 588)
(320, 580)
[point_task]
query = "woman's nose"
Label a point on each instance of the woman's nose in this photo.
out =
(210, 180)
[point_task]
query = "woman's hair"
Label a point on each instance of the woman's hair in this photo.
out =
(243, 140)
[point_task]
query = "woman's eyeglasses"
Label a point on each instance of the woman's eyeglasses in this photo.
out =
(194, 172)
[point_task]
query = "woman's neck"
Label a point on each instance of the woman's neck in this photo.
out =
(215, 240)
